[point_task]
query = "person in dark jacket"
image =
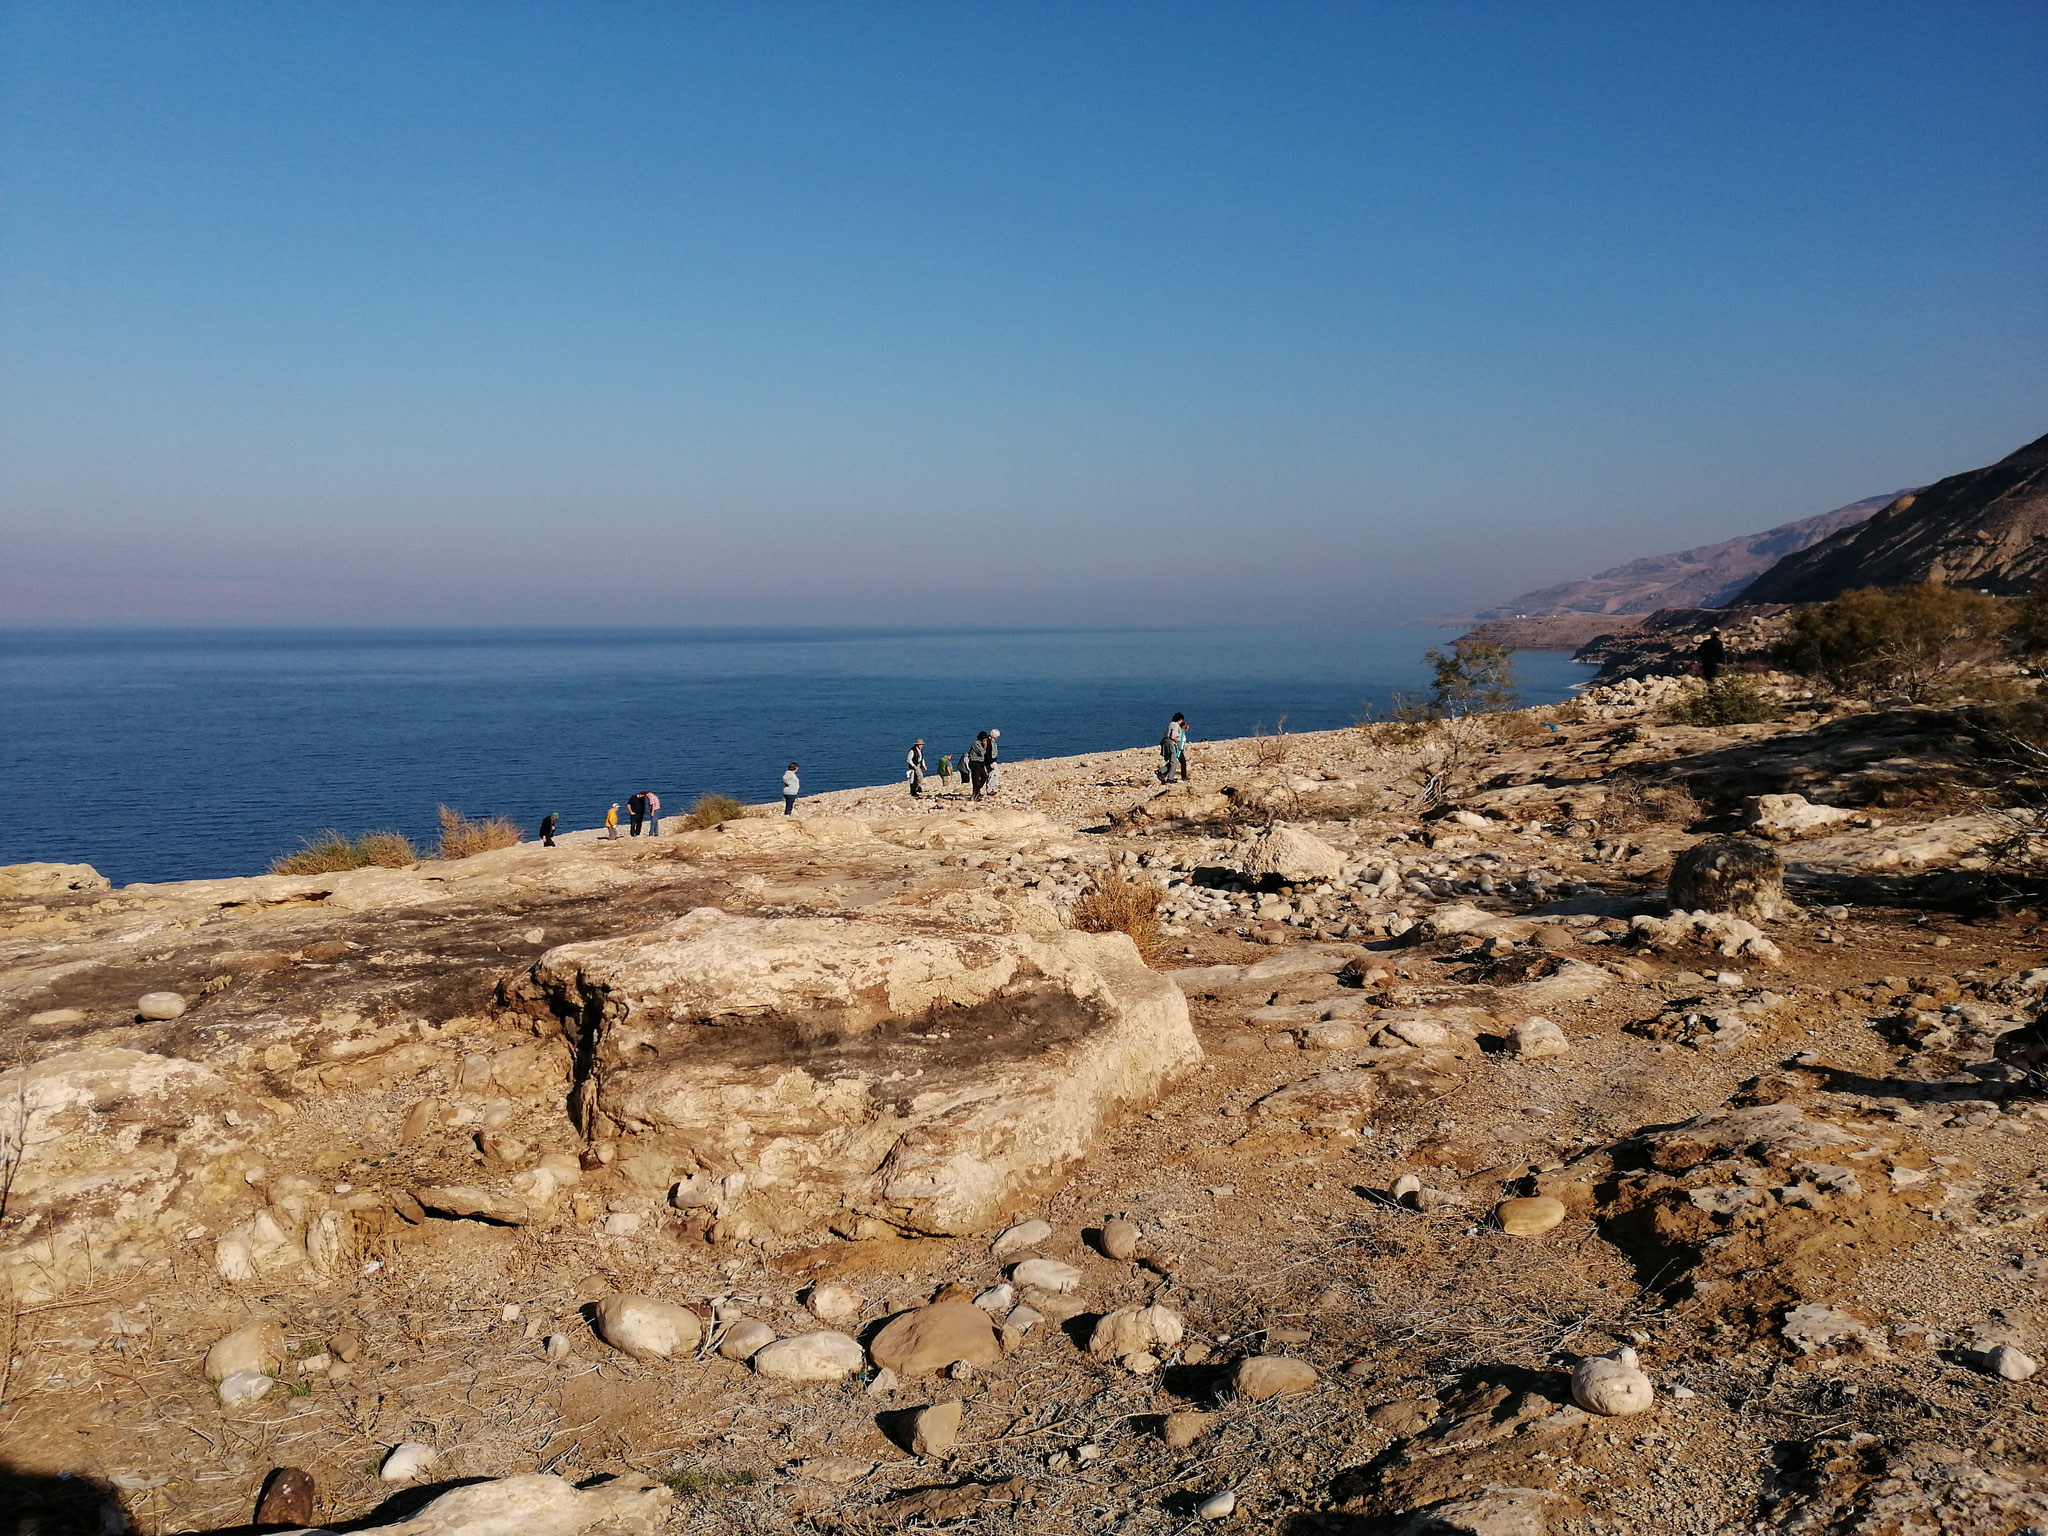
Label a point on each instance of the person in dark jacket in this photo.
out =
(636, 807)
(913, 768)
(547, 830)
(978, 757)
(1711, 655)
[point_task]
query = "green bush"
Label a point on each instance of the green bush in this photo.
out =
(1923, 642)
(710, 810)
(1726, 701)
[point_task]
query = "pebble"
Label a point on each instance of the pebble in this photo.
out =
(2010, 1364)
(621, 1223)
(745, 1339)
(1612, 1385)
(647, 1328)
(883, 1383)
(1143, 1363)
(1531, 1216)
(934, 1430)
(557, 1347)
(1218, 1506)
(834, 1304)
(820, 1356)
(1025, 1235)
(1120, 1239)
(160, 1005)
(1262, 1377)
(407, 1461)
(1047, 1275)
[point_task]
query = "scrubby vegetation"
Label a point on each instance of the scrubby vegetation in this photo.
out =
(1921, 643)
(462, 836)
(1726, 701)
(1122, 905)
(333, 851)
(1631, 803)
(710, 810)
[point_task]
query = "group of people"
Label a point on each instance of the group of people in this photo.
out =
(977, 765)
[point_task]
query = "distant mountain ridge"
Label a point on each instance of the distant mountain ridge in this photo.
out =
(1709, 576)
(1986, 529)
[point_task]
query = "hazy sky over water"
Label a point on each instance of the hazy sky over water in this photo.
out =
(611, 313)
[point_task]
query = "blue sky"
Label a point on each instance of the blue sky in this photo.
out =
(950, 313)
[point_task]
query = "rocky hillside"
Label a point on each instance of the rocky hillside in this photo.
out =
(1986, 529)
(1707, 577)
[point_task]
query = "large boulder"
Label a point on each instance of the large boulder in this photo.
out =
(935, 1080)
(1288, 855)
(25, 880)
(1731, 875)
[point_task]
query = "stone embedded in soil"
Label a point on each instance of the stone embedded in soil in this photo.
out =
(258, 1346)
(934, 1430)
(745, 1339)
(1612, 1385)
(1135, 1330)
(1047, 1275)
(646, 1327)
(1021, 1238)
(1529, 1216)
(834, 1304)
(536, 1504)
(2009, 1363)
(238, 1389)
(1120, 1239)
(1262, 1377)
(407, 1460)
(1218, 1506)
(287, 1498)
(346, 1346)
(935, 1337)
(159, 1006)
(1535, 1038)
(470, 1202)
(1183, 1429)
(821, 1356)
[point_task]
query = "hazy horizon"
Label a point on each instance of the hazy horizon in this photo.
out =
(1060, 316)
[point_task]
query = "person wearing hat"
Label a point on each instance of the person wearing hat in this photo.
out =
(913, 768)
(547, 830)
(611, 823)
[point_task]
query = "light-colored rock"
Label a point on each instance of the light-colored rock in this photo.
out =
(745, 1339)
(1218, 1506)
(1732, 937)
(1120, 1239)
(26, 880)
(934, 1430)
(473, 1202)
(1407, 1189)
(2009, 1363)
(1021, 1238)
(258, 1345)
(834, 1304)
(1495, 1511)
(1330, 1102)
(1413, 1029)
(1135, 1330)
(408, 1459)
(557, 1347)
(1813, 1327)
(1287, 854)
(160, 1005)
(822, 1356)
(52, 1018)
(1261, 1377)
(932, 1338)
(1535, 1038)
(535, 1504)
(238, 1389)
(646, 1327)
(988, 1128)
(1047, 1275)
(1183, 1429)
(1529, 1216)
(997, 1298)
(1785, 817)
(1612, 1385)
(836, 1470)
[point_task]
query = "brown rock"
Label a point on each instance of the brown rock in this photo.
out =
(1262, 1377)
(933, 1430)
(346, 1346)
(1531, 1216)
(287, 1498)
(1181, 1430)
(932, 1338)
(1120, 1239)
(1410, 1417)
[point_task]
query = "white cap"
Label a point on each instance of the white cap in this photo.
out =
(995, 733)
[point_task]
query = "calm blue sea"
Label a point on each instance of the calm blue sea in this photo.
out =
(169, 755)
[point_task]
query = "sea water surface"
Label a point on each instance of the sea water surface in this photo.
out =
(175, 754)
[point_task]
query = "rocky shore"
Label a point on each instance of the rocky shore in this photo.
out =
(1558, 1123)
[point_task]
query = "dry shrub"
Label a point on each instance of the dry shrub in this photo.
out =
(333, 851)
(1632, 803)
(1517, 728)
(1571, 712)
(1271, 751)
(1121, 905)
(462, 836)
(710, 810)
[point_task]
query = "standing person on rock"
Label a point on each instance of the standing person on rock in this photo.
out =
(945, 771)
(978, 757)
(611, 823)
(913, 768)
(1173, 749)
(1712, 656)
(547, 830)
(636, 807)
(791, 788)
(653, 812)
(993, 754)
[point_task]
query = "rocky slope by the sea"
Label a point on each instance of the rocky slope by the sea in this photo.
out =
(1487, 1141)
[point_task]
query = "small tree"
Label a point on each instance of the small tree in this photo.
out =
(1922, 642)
(1472, 677)
(2028, 635)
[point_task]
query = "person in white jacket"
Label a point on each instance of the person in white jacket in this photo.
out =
(791, 788)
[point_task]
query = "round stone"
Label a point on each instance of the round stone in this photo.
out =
(160, 1005)
(1531, 1216)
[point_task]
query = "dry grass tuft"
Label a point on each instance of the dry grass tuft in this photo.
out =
(1632, 803)
(710, 810)
(332, 851)
(462, 836)
(1118, 905)
(1517, 728)
(1271, 751)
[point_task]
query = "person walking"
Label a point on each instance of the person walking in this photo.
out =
(1712, 655)
(636, 807)
(611, 823)
(547, 830)
(945, 771)
(791, 788)
(913, 768)
(653, 812)
(977, 763)
(1173, 749)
